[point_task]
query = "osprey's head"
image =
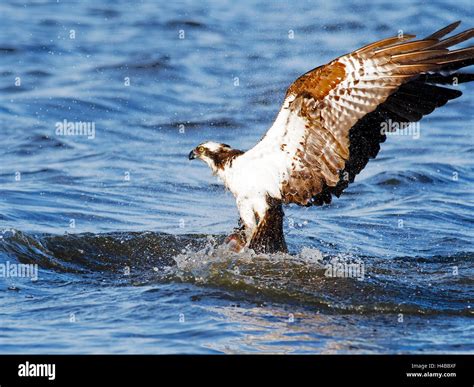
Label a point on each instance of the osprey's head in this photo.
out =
(215, 155)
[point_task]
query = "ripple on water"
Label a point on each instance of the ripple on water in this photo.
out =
(339, 283)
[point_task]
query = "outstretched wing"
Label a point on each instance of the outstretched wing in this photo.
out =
(330, 122)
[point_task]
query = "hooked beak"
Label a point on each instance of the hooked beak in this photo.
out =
(192, 155)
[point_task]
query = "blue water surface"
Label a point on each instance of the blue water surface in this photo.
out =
(126, 230)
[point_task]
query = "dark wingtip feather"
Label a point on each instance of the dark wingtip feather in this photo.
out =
(444, 31)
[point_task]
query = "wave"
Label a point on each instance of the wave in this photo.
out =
(341, 283)
(153, 64)
(224, 122)
(185, 23)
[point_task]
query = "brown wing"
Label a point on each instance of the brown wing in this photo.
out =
(409, 103)
(332, 115)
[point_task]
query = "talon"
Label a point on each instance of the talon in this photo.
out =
(236, 241)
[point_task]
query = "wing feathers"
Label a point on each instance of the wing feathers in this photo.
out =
(417, 56)
(415, 69)
(456, 39)
(343, 105)
(406, 47)
(455, 56)
(384, 43)
(402, 110)
(444, 31)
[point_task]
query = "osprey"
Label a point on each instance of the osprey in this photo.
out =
(330, 126)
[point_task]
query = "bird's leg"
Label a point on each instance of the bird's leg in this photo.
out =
(268, 236)
(238, 239)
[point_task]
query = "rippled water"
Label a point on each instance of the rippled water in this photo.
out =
(127, 232)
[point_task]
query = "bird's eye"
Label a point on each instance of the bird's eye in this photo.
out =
(200, 149)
